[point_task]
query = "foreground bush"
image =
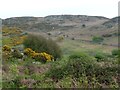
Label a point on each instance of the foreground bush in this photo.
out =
(84, 68)
(41, 44)
(78, 64)
(81, 63)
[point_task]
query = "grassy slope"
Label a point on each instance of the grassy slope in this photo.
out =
(27, 73)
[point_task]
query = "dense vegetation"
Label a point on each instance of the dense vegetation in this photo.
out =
(41, 44)
(24, 68)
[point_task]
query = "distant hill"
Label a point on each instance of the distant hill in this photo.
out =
(112, 22)
(52, 22)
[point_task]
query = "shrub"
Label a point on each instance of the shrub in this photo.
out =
(72, 38)
(78, 64)
(100, 56)
(116, 52)
(83, 25)
(28, 52)
(14, 70)
(49, 33)
(106, 73)
(97, 39)
(6, 54)
(44, 57)
(6, 48)
(56, 73)
(41, 44)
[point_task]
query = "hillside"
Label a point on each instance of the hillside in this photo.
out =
(60, 51)
(111, 22)
(81, 27)
(48, 22)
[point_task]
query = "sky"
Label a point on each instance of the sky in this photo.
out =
(41, 8)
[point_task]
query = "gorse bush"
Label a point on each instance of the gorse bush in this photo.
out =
(6, 48)
(6, 52)
(44, 57)
(41, 44)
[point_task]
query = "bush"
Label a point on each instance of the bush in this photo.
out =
(100, 56)
(78, 64)
(44, 57)
(73, 38)
(97, 39)
(116, 52)
(56, 73)
(41, 44)
(83, 25)
(105, 74)
(57, 70)
(6, 48)
(6, 55)
(78, 55)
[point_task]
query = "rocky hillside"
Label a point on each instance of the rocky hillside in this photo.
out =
(80, 27)
(53, 22)
(111, 23)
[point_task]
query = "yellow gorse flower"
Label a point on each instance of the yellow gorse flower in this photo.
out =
(43, 55)
(48, 57)
(6, 48)
(28, 51)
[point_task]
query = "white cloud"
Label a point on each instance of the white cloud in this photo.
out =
(12, 8)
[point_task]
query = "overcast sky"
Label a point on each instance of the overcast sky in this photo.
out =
(40, 8)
